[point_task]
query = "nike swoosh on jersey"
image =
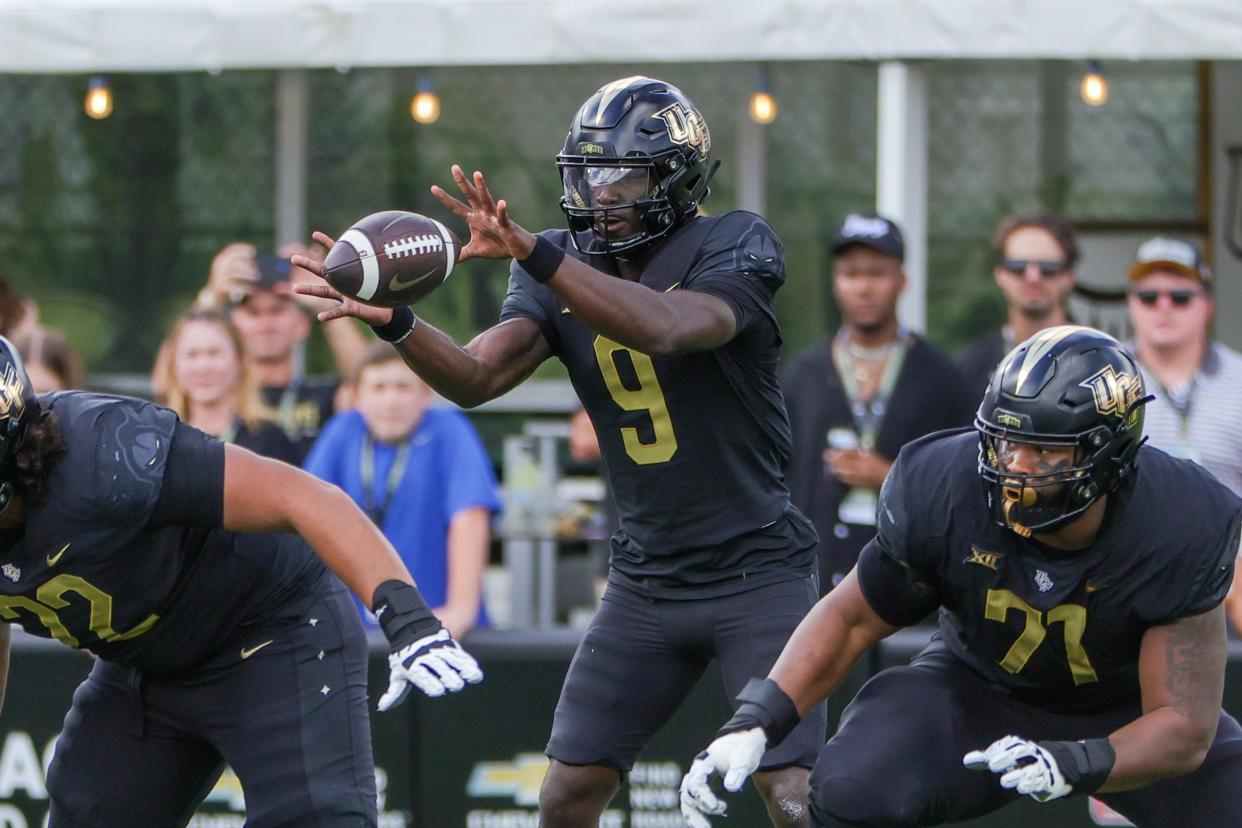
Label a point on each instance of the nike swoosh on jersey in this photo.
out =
(247, 652)
(1095, 587)
(52, 560)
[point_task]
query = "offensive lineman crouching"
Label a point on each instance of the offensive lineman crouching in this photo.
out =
(1082, 641)
(121, 532)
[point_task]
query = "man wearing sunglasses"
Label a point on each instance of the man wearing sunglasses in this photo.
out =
(1197, 383)
(1034, 268)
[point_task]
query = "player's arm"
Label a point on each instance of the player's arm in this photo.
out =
(264, 495)
(822, 650)
(468, 539)
(638, 317)
(493, 362)
(629, 313)
(1182, 676)
(5, 633)
(835, 633)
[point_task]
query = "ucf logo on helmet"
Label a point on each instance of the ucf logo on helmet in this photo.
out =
(11, 389)
(686, 127)
(1114, 393)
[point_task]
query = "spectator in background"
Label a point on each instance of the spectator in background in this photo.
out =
(18, 314)
(857, 397)
(1196, 382)
(1035, 259)
(422, 475)
(274, 322)
(207, 379)
(51, 362)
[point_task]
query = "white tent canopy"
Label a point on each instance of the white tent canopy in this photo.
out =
(38, 36)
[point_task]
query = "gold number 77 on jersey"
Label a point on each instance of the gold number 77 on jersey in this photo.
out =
(1072, 617)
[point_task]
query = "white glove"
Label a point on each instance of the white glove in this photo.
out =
(1026, 767)
(435, 665)
(735, 756)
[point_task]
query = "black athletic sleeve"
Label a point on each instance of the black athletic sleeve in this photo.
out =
(742, 262)
(1211, 576)
(897, 582)
(193, 490)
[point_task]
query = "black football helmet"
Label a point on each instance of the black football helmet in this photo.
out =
(637, 143)
(1067, 386)
(18, 407)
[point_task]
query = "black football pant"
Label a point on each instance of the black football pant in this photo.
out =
(289, 717)
(896, 760)
(642, 656)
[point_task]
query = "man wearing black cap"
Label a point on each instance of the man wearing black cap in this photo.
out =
(857, 397)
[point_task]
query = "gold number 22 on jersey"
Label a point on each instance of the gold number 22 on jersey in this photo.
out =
(648, 396)
(1072, 616)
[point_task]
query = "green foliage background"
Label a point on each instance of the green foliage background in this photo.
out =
(111, 224)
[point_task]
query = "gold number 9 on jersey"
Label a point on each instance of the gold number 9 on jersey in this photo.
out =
(648, 396)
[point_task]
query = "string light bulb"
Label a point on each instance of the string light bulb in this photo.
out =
(425, 106)
(98, 102)
(1094, 89)
(762, 104)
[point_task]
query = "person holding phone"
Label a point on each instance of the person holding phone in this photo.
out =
(274, 321)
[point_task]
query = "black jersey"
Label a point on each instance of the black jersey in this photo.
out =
(1061, 629)
(694, 443)
(302, 407)
(123, 554)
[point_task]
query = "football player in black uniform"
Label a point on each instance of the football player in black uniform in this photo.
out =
(1081, 647)
(665, 322)
(121, 533)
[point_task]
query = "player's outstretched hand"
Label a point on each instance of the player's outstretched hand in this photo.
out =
(435, 665)
(1026, 767)
(734, 756)
(492, 234)
(345, 306)
(421, 653)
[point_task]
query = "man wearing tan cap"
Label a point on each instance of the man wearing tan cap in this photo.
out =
(1196, 382)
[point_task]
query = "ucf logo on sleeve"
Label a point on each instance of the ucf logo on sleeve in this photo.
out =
(686, 127)
(1115, 394)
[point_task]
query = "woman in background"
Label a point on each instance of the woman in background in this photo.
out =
(206, 379)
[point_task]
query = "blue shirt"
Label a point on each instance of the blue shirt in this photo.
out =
(447, 472)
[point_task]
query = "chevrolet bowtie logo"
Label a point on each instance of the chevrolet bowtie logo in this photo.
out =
(988, 559)
(52, 560)
(520, 778)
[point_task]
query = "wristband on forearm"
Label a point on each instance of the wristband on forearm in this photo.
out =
(764, 704)
(402, 613)
(1085, 765)
(543, 260)
(399, 327)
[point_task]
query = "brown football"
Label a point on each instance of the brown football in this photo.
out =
(392, 258)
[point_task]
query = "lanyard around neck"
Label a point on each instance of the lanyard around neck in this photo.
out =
(395, 473)
(868, 414)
